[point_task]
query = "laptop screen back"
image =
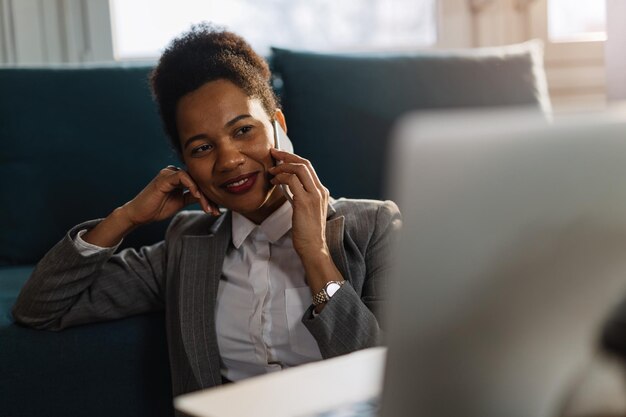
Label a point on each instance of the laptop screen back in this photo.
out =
(513, 252)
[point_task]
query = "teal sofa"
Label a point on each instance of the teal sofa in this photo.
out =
(76, 142)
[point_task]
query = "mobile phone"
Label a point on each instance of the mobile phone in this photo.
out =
(282, 142)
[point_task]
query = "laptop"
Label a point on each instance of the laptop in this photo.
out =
(512, 255)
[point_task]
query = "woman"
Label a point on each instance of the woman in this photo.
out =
(263, 284)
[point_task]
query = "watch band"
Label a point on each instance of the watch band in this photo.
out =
(323, 296)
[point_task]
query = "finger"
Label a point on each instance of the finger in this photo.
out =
(189, 198)
(175, 177)
(211, 207)
(294, 184)
(301, 171)
(288, 157)
(198, 196)
(172, 178)
(186, 180)
(169, 172)
(169, 179)
(207, 205)
(178, 178)
(202, 201)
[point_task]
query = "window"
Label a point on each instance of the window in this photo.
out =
(582, 20)
(301, 24)
(574, 35)
(573, 32)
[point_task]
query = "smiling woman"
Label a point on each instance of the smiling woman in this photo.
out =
(253, 283)
(226, 137)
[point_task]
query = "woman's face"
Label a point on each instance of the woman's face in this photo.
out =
(226, 138)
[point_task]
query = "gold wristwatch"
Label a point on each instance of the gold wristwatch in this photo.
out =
(327, 292)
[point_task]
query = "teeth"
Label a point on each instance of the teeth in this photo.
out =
(238, 183)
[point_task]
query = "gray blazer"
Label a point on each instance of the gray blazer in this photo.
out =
(181, 274)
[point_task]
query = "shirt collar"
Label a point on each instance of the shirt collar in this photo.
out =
(274, 227)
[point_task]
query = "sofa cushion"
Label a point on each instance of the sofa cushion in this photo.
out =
(11, 281)
(117, 368)
(75, 143)
(340, 107)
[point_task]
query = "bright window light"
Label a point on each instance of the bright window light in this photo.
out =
(580, 20)
(142, 28)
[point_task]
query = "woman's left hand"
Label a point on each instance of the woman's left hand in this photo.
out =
(310, 203)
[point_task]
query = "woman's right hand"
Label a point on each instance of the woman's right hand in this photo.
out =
(171, 190)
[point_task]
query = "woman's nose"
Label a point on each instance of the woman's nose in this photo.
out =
(229, 157)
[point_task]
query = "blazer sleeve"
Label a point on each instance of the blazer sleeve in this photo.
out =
(351, 321)
(67, 289)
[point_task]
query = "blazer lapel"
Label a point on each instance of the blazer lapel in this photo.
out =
(334, 239)
(201, 264)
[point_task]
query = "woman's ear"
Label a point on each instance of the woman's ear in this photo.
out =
(280, 117)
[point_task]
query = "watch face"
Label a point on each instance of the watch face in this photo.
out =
(332, 288)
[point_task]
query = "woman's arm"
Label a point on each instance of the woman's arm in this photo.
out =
(160, 199)
(68, 288)
(310, 207)
(348, 321)
(352, 321)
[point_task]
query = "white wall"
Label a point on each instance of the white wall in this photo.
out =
(37, 32)
(616, 50)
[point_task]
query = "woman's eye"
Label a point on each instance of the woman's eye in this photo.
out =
(243, 130)
(201, 148)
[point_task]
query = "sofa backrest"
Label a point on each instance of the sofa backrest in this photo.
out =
(340, 108)
(74, 144)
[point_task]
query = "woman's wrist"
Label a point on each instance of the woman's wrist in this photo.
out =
(123, 220)
(320, 269)
(319, 273)
(110, 231)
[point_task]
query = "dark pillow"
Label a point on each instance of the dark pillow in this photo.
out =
(340, 107)
(75, 143)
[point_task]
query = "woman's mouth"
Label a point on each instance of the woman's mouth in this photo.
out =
(240, 184)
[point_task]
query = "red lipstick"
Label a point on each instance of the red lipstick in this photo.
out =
(240, 184)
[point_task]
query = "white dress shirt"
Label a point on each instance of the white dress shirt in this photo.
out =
(261, 299)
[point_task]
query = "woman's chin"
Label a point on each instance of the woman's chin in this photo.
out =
(256, 208)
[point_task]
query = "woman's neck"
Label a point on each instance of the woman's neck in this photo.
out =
(275, 200)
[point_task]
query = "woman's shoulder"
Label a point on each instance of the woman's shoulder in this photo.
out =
(366, 216)
(364, 207)
(368, 221)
